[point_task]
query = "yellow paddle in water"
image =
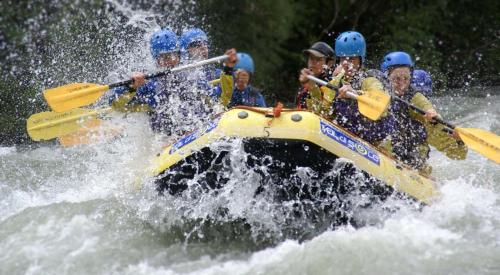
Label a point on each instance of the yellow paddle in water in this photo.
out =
(91, 131)
(75, 95)
(49, 125)
(484, 142)
(371, 104)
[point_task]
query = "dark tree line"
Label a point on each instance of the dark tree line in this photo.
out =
(50, 43)
(458, 41)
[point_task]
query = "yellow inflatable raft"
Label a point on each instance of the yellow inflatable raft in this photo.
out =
(296, 138)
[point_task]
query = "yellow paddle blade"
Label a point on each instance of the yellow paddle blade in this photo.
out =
(484, 142)
(73, 95)
(93, 131)
(49, 125)
(373, 104)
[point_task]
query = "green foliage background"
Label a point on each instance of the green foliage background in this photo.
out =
(50, 43)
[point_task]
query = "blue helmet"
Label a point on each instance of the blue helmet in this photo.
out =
(350, 44)
(396, 59)
(163, 41)
(245, 62)
(192, 35)
(422, 81)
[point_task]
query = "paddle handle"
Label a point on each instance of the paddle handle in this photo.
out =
(174, 70)
(422, 112)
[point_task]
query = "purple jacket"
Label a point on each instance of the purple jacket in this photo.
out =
(348, 116)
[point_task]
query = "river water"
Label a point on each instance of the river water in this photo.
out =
(76, 210)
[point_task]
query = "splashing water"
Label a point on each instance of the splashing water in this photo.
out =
(76, 210)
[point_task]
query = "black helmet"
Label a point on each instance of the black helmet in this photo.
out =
(320, 49)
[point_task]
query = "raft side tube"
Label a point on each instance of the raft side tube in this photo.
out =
(302, 126)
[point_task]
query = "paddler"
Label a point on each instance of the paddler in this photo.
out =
(194, 44)
(421, 80)
(162, 97)
(349, 76)
(413, 133)
(231, 86)
(243, 93)
(150, 96)
(195, 47)
(320, 60)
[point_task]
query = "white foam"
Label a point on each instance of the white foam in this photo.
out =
(7, 150)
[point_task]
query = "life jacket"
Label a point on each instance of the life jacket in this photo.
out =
(169, 92)
(303, 95)
(409, 136)
(175, 103)
(143, 99)
(250, 96)
(203, 76)
(348, 116)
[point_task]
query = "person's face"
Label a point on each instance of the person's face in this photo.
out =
(242, 79)
(168, 60)
(351, 65)
(400, 79)
(198, 51)
(316, 64)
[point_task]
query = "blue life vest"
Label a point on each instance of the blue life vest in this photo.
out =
(248, 97)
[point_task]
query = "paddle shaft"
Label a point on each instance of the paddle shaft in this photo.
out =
(422, 112)
(328, 85)
(483, 142)
(174, 70)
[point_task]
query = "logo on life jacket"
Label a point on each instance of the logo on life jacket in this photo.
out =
(349, 142)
